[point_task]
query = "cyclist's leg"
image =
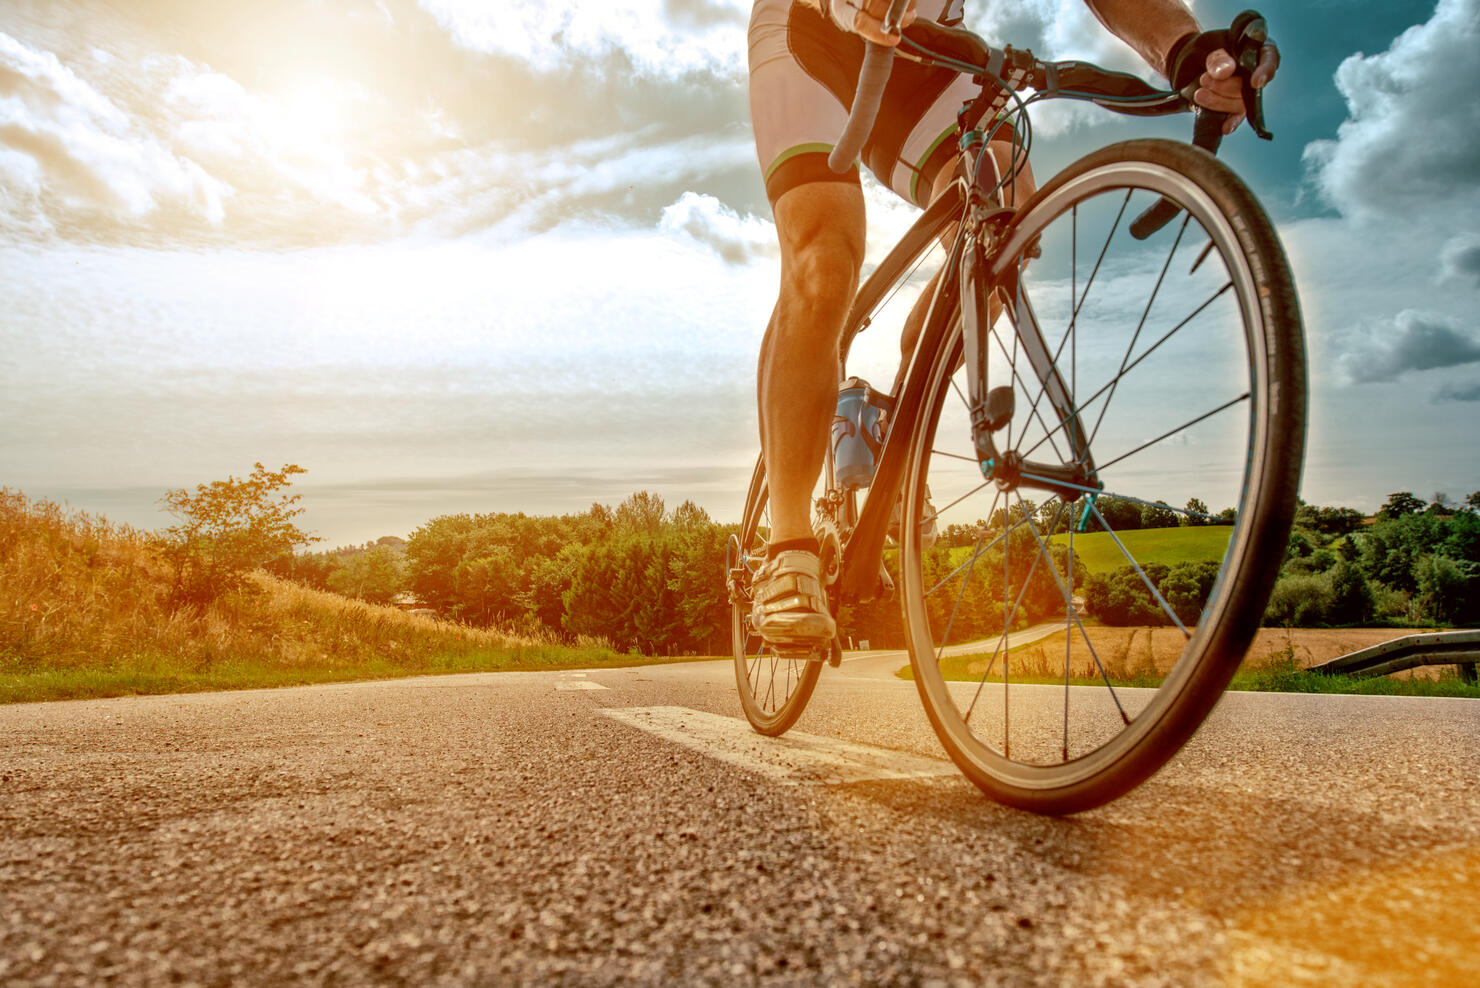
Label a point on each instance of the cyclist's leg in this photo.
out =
(821, 228)
(820, 225)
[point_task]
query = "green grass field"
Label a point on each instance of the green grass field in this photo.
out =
(1153, 545)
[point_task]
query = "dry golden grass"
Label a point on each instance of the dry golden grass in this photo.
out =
(85, 610)
(1132, 654)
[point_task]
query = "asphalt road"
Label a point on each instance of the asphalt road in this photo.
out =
(621, 827)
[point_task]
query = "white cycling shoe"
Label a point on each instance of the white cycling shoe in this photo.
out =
(789, 605)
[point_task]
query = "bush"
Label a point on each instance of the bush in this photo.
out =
(227, 529)
(1300, 600)
(1122, 598)
(1447, 588)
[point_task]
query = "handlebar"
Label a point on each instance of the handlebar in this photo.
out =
(878, 62)
(1113, 90)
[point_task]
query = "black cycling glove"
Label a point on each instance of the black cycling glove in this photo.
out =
(1188, 59)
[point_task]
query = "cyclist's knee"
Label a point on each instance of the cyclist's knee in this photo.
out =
(821, 228)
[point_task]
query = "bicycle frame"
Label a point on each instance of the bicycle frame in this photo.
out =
(968, 198)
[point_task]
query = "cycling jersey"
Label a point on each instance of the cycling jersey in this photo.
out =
(803, 73)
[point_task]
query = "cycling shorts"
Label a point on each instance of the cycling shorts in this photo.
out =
(803, 73)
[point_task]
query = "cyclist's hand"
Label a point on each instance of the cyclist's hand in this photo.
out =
(868, 19)
(1220, 88)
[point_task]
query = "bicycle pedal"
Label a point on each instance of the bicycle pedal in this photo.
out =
(809, 653)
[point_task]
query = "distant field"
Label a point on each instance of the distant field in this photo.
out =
(1152, 545)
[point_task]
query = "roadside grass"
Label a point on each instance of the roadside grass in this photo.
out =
(1140, 657)
(1287, 677)
(84, 613)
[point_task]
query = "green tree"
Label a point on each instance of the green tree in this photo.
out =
(374, 575)
(228, 528)
(1400, 504)
(1120, 514)
(1351, 598)
(1197, 513)
(1158, 515)
(641, 512)
(1447, 588)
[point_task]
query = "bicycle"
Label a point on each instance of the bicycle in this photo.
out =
(1076, 379)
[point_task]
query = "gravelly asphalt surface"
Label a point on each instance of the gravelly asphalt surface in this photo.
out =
(496, 829)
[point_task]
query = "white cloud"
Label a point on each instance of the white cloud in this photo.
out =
(87, 157)
(1411, 137)
(735, 238)
(275, 146)
(662, 37)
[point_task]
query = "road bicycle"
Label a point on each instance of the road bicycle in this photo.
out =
(1128, 338)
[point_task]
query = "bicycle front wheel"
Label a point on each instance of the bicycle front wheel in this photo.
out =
(1098, 582)
(774, 689)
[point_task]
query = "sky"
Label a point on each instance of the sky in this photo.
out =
(458, 256)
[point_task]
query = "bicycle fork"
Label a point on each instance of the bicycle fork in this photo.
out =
(992, 409)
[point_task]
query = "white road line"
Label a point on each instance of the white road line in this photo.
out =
(578, 684)
(795, 758)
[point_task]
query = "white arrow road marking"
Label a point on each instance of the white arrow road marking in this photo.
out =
(794, 758)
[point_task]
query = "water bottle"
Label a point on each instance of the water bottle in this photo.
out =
(858, 432)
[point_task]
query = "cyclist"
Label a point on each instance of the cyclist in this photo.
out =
(804, 62)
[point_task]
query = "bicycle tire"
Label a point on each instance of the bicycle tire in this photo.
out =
(773, 689)
(1250, 336)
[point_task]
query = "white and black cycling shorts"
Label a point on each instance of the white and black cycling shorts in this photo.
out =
(803, 73)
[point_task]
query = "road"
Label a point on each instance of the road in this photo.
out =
(622, 826)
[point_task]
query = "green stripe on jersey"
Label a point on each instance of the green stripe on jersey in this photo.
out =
(790, 153)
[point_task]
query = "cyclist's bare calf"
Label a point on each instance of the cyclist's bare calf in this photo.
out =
(821, 228)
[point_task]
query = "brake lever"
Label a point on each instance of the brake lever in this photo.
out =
(1247, 37)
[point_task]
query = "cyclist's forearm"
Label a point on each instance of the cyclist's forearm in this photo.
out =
(1151, 27)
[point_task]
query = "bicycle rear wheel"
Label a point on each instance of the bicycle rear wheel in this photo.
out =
(774, 690)
(1169, 374)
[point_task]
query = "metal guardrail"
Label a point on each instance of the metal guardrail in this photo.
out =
(1442, 648)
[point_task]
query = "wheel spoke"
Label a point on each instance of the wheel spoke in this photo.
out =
(1160, 600)
(1130, 347)
(1181, 428)
(1090, 401)
(1043, 548)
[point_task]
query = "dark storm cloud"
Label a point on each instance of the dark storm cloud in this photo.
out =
(1459, 259)
(1412, 134)
(162, 122)
(1458, 392)
(1418, 341)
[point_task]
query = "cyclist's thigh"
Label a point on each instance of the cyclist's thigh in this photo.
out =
(795, 109)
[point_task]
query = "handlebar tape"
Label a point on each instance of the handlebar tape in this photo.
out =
(878, 61)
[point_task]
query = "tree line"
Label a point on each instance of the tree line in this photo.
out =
(645, 578)
(1415, 563)
(651, 580)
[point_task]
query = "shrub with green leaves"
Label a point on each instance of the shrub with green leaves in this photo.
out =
(226, 529)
